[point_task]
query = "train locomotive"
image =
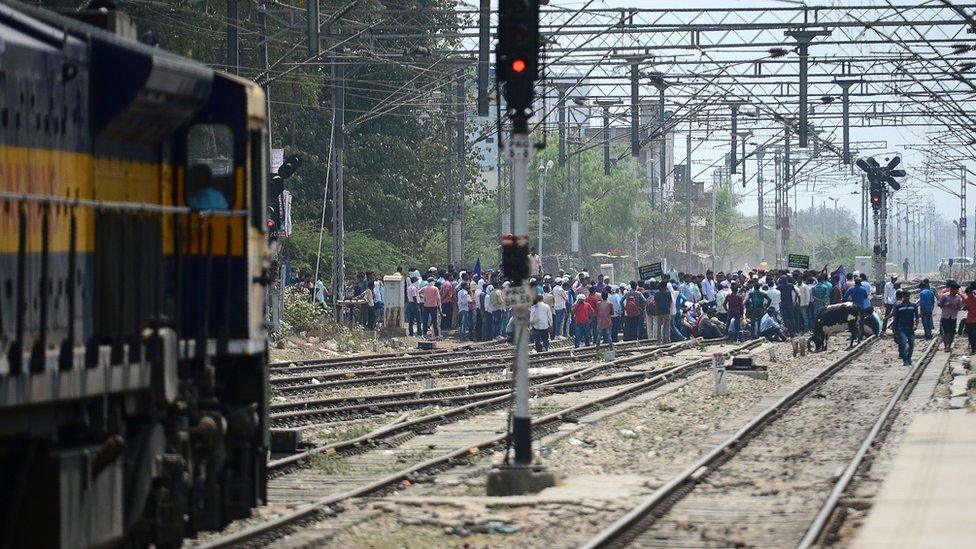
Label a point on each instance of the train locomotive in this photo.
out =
(133, 268)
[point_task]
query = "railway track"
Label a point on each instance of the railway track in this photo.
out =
(465, 404)
(778, 480)
(454, 444)
(333, 379)
(389, 357)
(298, 413)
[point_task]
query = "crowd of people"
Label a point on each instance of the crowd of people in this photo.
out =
(774, 304)
(594, 311)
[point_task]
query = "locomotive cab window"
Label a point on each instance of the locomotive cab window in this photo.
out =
(210, 167)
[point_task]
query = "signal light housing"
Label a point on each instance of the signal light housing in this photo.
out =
(515, 258)
(517, 57)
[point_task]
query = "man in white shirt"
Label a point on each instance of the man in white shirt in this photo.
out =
(540, 319)
(464, 321)
(774, 296)
(890, 299)
(413, 306)
(535, 263)
(559, 298)
(488, 318)
(805, 291)
(378, 293)
(708, 286)
(720, 310)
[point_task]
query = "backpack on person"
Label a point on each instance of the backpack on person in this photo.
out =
(631, 307)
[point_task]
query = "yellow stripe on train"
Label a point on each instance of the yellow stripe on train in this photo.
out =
(67, 174)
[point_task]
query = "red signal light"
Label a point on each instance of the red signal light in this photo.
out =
(270, 224)
(519, 66)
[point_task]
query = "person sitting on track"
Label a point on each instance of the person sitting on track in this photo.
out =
(770, 327)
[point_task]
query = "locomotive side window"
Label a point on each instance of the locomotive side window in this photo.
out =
(209, 167)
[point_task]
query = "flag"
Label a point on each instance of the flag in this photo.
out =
(842, 275)
(477, 268)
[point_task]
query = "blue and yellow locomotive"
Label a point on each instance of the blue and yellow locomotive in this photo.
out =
(133, 267)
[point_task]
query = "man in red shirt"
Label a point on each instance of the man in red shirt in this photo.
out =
(583, 313)
(604, 320)
(969, 305)
(447, 302)
(593, 299)
(432, 305)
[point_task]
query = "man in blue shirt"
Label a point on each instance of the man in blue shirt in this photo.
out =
(770, 327)
(926, 302)
(905, 314)
(859, 296)
(617, 301)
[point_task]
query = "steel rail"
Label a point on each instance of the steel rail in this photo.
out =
(500, 399)
(345, 378)
(875, 435)
(627, 527)
(407, 354)
(542, 384)
(308, 512)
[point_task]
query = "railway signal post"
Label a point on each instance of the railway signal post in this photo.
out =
(517, 68)
(880, 178)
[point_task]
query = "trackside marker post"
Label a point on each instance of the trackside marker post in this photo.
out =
(718, 366)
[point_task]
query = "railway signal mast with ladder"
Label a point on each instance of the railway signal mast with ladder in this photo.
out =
(880, 178)
(516, 70)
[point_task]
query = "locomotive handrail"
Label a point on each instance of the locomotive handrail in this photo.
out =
(141, 207)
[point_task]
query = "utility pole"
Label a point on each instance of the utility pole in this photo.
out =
(688, 185)
(760, 202)
(263, 59)
(565, 170)
(962, 212)
(276, 293)
(561, 117)
(845, 87)
(714, 221)
(803, 39)
(917, 248)
(484, 53)
(896, 227)
(455, 187)
(733, 162)
(786, 179)
(864, 210)
(663, 156)
(635, 109)
(233, 38)
(447, 112)
(576, 194)
(606, 104)
(657, 191)
(338, 199)
(504, 223)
